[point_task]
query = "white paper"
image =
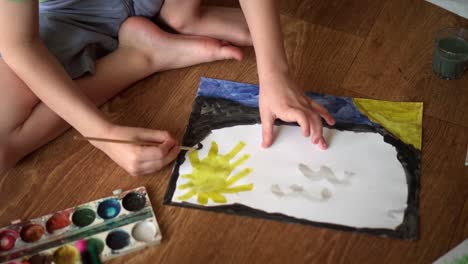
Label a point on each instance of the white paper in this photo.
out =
(459, 7)
(356, 182)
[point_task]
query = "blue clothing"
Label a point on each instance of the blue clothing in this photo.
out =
(78, 32)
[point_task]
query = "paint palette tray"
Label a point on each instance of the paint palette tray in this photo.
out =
(115, 225)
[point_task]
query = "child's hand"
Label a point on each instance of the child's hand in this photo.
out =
(139, 160)
(280, 98)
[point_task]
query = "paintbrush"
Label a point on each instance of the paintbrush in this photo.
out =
(134, 142)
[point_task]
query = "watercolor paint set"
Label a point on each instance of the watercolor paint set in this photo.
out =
(111, 226)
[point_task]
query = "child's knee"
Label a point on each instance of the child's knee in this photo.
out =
(182, 21)
(244, 37)
(181, 24)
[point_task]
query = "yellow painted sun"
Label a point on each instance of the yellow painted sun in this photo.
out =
(211, 176)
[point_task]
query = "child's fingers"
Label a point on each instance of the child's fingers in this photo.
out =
(155, 152)
(267, 128)
(302, 119)
(323, 112)
(312, 118)
(167, 146)
(323, 143)
(172, 155)
(316, 126)
(317, 137)
(140, 168)
(230, 52)
(151, 166)
(152, 153)
(154, 135)
(149, 153)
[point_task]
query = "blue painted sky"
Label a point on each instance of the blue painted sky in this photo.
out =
(341, 108)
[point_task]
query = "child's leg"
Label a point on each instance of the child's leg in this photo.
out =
(26, 123)
(188, 17)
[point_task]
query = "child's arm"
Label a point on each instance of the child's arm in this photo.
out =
(27, 56)
(279, 94)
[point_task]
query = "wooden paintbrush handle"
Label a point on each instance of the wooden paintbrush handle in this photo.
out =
(121, 141)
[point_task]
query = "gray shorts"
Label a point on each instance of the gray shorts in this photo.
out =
(78, 32)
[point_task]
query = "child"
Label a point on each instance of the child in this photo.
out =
(61, 59)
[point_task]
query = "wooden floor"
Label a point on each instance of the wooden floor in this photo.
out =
(377, 49)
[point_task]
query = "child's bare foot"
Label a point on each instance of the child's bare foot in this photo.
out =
(169, 51)
(216, 22)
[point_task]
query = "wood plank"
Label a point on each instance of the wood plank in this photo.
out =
(319, 57)
(349, 16)
(395, 61)
(287, 7)
(461, 229)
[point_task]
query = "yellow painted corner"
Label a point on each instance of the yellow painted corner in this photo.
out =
(402, 119)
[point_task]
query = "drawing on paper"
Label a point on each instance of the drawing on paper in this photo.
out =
(324, 174)
(212, 176)
(367, 181)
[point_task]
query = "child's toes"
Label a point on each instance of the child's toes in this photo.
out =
(231, 52)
